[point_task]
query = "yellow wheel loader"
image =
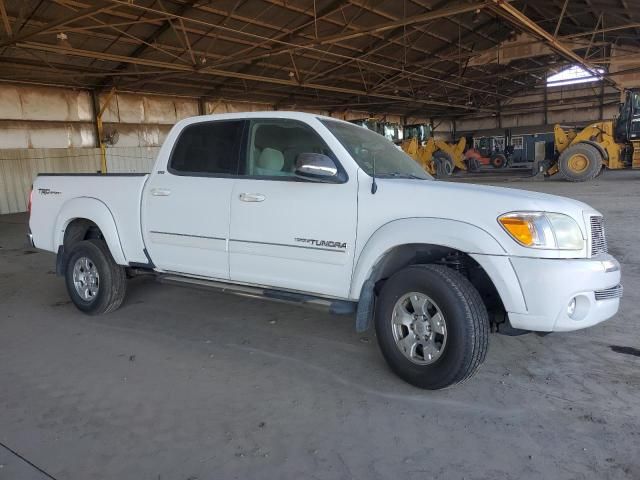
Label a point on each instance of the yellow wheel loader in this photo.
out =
(436, 156)
(613, 144)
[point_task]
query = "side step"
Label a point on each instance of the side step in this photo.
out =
(337, 307)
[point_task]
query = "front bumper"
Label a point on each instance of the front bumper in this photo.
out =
(549, 285)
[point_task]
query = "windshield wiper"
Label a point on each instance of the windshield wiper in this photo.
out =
(401, 175)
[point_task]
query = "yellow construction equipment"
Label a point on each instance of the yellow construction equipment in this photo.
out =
(436, 156)
(613, 144)
(419, 153)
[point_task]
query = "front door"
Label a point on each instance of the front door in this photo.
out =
(285, 232)
(186, 208)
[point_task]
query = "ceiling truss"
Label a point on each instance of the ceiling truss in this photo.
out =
(400, 57)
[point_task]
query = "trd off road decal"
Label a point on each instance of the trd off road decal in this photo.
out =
(322, 243)
(46, 191)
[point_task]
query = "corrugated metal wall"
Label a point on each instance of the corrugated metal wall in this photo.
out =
(570, 105)
(131, 160)
(48, 129)
(52, 129)
(18, 167)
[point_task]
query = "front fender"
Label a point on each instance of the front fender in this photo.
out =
(454, 234)
(96, 211)
(600, 148)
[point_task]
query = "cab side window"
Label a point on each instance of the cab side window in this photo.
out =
(274, 145)
(208, 149)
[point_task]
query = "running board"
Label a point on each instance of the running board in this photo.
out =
(338, 307)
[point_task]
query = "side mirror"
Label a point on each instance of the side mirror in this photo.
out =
(316, 167)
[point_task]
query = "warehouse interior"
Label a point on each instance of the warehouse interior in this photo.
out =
(187, 384)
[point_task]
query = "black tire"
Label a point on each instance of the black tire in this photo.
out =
(580, 163)
(498, 161)
(467, 325)
(473, 164)
(444, 164)
(112, 279)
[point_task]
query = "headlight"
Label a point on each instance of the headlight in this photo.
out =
(553, 231)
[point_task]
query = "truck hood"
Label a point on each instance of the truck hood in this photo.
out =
(478, 205)
(500, 197)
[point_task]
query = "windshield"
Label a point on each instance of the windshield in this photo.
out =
(367, 147)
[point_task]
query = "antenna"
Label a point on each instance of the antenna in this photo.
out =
(374, 185)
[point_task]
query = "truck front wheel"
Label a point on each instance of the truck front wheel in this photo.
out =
(432, 326)
(95, 282)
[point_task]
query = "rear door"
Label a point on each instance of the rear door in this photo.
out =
(286, 232)
(186, 208)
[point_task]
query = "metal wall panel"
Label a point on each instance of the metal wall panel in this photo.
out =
(50, 117)
(147, 109)
(18, 168)
(131, 160)
(45, 134)
(24, 102)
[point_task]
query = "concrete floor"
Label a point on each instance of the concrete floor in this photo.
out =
(185, 384)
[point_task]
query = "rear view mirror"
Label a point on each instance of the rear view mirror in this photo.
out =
(317, 167)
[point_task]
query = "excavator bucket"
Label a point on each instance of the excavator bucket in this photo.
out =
(421, 154)
(458, 150)
(455, 152)
(410, 147)
(426, 156)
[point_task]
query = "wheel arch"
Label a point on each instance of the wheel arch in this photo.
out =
(427, 231)
(449, 241)
(85, 217)
(600, 148)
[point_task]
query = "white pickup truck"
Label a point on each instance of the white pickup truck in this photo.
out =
(302, 208)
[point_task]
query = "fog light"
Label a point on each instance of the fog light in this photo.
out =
(571, 308)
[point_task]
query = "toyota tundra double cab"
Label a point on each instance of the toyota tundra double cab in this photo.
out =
(303, 208)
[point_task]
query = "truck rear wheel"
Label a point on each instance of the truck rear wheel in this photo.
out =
(580, 162)
(432, 326)
(95, 282)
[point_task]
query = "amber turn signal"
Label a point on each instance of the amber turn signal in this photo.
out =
(520, 228)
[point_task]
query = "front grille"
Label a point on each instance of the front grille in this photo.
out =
(608, 293)
(598, 239)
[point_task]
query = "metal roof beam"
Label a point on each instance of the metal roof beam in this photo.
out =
(99, 7)
(513, 15)
(228, 74)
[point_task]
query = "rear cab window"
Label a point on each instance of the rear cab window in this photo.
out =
(208, 149)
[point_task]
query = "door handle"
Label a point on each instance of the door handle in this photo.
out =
(160, 192)
(252, 197)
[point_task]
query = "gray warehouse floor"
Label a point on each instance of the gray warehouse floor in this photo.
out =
(184, 384)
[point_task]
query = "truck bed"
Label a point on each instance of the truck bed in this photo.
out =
(119, 193)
